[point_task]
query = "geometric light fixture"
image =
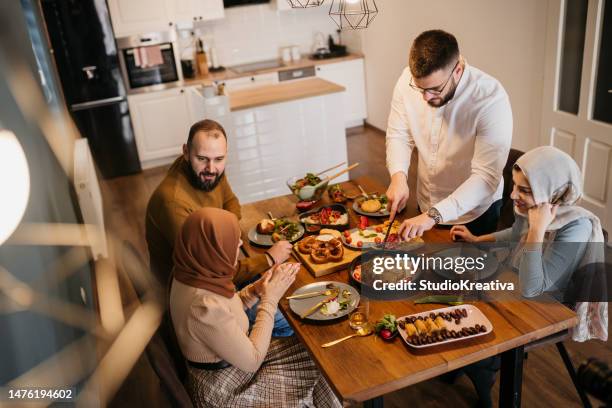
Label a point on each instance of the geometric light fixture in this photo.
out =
(304, 3)
(14, 183)
(353, 14)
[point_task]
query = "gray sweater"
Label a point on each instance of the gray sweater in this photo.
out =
(549, 269)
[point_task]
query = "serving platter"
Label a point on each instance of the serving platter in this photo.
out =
(473, 316)
(300, 306)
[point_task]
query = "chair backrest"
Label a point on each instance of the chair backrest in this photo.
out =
(507, 212)
(164, 366)
(162, 351)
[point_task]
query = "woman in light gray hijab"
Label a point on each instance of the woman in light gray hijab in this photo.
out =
(554, 236)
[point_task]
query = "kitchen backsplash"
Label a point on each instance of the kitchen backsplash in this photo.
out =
(258, 32)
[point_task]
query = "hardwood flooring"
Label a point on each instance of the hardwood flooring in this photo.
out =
(545, 383)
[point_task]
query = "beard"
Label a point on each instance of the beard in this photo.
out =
(198, 181)
(439, 102)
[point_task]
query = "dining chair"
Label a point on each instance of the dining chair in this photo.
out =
(557, 339)
(162, 351)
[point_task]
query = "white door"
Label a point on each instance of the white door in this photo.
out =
(577, 104)
(131, 17)
(350, 75)
(161, 122)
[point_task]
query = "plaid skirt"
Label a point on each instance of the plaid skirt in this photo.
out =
(287, 378)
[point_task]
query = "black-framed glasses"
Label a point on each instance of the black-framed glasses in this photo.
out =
(437, 90)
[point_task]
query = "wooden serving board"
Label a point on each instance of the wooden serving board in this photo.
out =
(326, 268)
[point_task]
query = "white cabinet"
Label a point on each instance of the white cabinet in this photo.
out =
(197, 10)
(349, 74)
(139, 16)
(131, 17)
(161, 122)
(251, 81)
(271, 143)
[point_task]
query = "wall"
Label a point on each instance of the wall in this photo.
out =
(257, 32)
(503, 38)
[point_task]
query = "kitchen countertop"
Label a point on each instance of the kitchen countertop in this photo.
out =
(302, 63)
(281, 92)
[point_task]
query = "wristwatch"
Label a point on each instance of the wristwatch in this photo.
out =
(434, 214)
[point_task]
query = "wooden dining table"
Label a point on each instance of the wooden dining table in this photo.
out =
(364, 369)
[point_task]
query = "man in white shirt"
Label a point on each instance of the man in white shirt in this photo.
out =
(460, 120)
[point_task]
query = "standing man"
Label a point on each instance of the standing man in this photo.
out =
(460, 120)
(197, 179)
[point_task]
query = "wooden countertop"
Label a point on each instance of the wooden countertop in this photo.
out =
(281, 92)
(302, 63)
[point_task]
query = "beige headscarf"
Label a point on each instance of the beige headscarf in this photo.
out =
(554, 177)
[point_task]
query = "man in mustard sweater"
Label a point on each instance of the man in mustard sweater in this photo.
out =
(196, 179)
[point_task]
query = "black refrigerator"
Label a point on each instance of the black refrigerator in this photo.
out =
(85, 53)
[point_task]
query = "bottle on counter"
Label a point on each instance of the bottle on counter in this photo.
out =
(201, 59)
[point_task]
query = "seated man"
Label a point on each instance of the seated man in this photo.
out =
(196, 179)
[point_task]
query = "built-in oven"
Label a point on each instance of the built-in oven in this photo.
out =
(150, 60)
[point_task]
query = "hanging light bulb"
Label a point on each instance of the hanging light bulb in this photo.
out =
(304, 3)
(14, 183)
(353, 14)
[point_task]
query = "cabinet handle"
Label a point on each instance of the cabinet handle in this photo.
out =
(253, 79)
(200, 17)
(195, 18)
(170, 23)
(318, 69)
(182, 90)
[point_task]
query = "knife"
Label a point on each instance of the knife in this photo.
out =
(317, 306)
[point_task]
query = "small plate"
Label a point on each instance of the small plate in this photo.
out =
(338, 207)
(474, 316)
(383, 212)
(265, 240)
(300, 306)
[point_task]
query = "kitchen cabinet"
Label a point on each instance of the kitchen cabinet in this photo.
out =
(131, 17)
(349, 74)
(251, 81)
(161, 122)
(197, 10)
(269, 144)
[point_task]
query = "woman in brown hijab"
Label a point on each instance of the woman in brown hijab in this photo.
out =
(228, 366)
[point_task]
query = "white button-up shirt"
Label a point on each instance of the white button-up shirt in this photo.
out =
(462, 146)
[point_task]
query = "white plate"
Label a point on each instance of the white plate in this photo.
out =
(474, 317)
(265, 240)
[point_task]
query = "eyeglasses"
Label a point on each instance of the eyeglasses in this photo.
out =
(436, 90)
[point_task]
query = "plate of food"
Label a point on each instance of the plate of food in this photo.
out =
(337, 194)
(331, 216)
(370, 237)
(325, 248)
(373, 205)
(269, 231)
(325, 300)
(443, 326)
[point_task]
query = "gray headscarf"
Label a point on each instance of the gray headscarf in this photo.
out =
(554, 177)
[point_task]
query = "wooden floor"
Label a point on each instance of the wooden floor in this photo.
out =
(545, 383)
